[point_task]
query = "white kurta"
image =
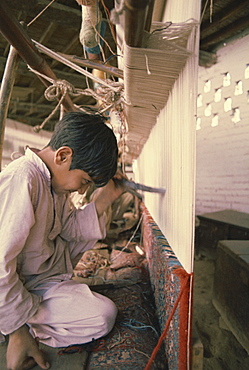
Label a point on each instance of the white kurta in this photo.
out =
(40, 234)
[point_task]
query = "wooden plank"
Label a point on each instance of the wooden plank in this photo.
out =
(5, 93)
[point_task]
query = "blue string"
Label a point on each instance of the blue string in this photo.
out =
(134, 324)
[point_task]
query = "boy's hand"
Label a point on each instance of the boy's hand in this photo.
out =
(23, 352)
(106, 195)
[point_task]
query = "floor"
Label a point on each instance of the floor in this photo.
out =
(221, 349)
(74, 361)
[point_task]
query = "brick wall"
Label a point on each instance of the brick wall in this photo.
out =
(223, 131)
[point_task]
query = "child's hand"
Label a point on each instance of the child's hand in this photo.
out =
(106, 195)
(23, 352)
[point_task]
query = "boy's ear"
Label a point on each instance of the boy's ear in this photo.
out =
(63, 155)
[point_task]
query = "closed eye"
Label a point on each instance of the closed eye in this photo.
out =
(86, 182)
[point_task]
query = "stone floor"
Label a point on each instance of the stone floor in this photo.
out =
(74, 361)
(221, 349)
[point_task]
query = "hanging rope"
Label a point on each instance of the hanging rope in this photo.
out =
(110, 23)
(110, 94)
(59, 88)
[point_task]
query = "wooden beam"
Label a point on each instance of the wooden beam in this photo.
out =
(94, 64)
(48, 33)
(5, 93)
(224, 15)
(136, 12)
(149, 15)
(235, 28)
(71, 46)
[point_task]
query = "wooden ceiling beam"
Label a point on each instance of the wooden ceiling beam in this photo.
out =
(48, 33)
(71, 46)
(63, 15)
(224, 15)
(221, 36)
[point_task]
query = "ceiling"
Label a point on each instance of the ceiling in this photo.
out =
(58, 29)
(221, 21)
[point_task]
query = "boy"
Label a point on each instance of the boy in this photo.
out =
(42, 238)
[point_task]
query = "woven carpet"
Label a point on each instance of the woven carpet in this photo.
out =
(168, 277)
(129, 345)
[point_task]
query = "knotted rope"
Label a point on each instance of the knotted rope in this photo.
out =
(57, 90)
(111, 94)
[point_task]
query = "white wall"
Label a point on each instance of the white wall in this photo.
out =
(17, 136)
(223, 149)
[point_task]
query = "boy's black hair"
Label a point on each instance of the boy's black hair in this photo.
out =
(93, 143)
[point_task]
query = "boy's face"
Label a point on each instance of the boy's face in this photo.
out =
(65, 180)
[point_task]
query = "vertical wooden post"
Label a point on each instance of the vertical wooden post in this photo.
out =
(136, 12)
(5, 93)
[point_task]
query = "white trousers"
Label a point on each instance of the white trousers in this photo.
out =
(70, 313)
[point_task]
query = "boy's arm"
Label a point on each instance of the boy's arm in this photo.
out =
(88, 224)
(23, 351)
(106, 195)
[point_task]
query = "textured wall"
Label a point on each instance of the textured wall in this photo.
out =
(17, 136)
(223, 131)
